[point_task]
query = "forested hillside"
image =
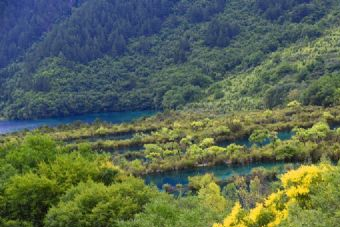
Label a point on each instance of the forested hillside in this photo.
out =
(90, 56)
(23, 22)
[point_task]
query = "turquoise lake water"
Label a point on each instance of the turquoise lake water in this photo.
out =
(172, 178)
(283, 135)
(222, 172)
(9, 126)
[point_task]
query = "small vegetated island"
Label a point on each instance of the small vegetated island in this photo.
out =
(246, 103)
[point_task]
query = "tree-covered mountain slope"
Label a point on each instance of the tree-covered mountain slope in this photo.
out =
(307, 71)
(124, 55)
(23, 22)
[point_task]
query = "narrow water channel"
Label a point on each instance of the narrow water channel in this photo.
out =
(9, 126)
(221, 172)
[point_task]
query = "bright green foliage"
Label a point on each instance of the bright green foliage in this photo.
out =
(31, 151)
(294, 104)
(92, 204)
(135, 166)
(153, 151)
(318, 132)
(177, 140)
(234, 149)
(12, 223)
(259, 136)
(197, 124)
(34, 174)
(207, 142)
(67, 184)
(168, 212)
(6, 171)
(210, 195)
(196, 152)
(70, 169)
(28, 197)
(198, 182)
(215, 150)
(286, 151)
(328, 116)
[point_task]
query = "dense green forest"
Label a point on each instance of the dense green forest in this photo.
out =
(74, 57)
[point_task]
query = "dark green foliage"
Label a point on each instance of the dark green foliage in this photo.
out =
(23, 22)
(220, 33)
(277, 95)
(273, 9)
(202, 10)
(183, 46)
(97, 56)
(103, 28)
(323, 92)
(180, 96)
(292, 10)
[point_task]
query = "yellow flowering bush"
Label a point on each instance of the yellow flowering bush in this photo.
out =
(297, 182)
(295, 188)
(234, 219)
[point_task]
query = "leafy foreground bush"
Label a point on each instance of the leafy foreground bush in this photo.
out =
(43, 184)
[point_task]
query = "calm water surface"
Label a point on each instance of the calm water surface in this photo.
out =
(221, 173)
(283, 135)
(8, 126)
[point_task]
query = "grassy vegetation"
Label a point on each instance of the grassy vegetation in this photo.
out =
(178, 140)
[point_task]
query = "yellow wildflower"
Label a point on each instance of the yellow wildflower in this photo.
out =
(232, 219)
(255, 213)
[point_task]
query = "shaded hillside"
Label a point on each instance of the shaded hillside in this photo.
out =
(126, 55)
(23, 22)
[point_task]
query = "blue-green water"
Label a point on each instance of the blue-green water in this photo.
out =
(221, 173)
(9, 126)
(283, 135)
